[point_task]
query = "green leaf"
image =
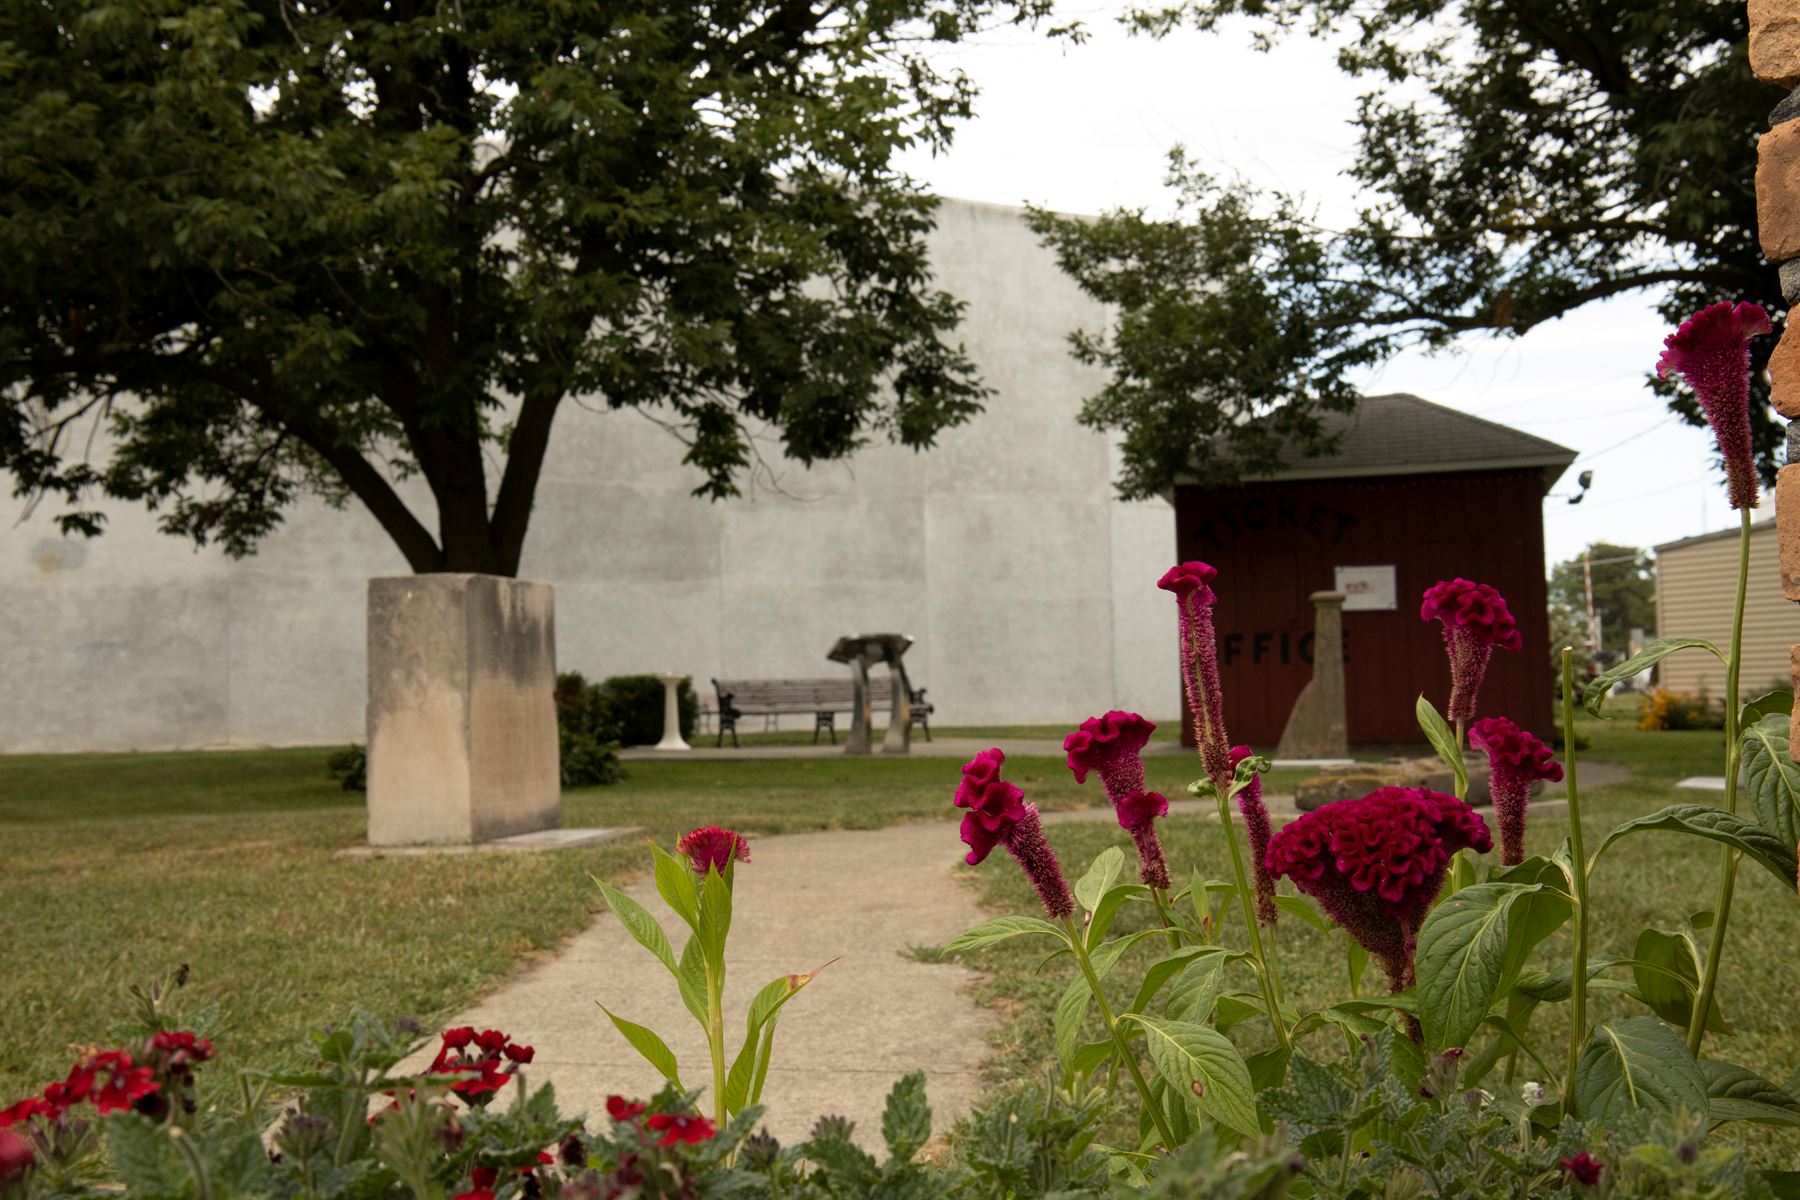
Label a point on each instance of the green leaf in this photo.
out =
(1101, 874)
(1735, 1094)
(639, 924)
(1163, 970)
(1195, 990)
(1780, 701)
(1652, 653)
(1666, 968)
(1001, 928)
(1715, 824)
(690, 977)
(1442, 740)
(1636, 1064)
(1071, 1011)
(655, 1051)
(1461, 959)
(146, 1161)
(906, 1120)
(1102, 919)
(1535, 915)
(1200, 1062)
(1305, 910)
(675, 884)
(759, 1022)
(1772, 778)
(714, 924)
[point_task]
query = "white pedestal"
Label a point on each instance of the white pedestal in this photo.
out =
(671, 738)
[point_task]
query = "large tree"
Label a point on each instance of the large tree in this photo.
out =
(267, 247)
(1518, 159)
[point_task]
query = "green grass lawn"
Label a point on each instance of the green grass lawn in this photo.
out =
(120, 867)
(1648, 879)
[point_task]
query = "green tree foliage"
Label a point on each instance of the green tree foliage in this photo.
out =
(1518, 159)
(257, 248)
(1624, 595)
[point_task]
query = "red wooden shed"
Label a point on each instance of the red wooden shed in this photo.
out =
(1416, 493)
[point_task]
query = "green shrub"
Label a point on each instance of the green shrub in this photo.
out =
(633, 704)
(587, 761)
(350, 767)
(1661, 709)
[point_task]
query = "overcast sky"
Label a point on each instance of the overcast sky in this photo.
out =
(1086, 128)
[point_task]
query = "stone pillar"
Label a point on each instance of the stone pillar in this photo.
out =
(462, 721)
(1317, 727)
(1775, 57)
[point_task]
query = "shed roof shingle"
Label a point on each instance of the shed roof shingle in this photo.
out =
(1399, 434)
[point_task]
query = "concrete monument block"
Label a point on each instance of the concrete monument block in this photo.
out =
(462, 725)
(1318, 727)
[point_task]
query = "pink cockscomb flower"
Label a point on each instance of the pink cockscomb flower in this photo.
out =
(1475, 620)
(1711, 351)
(1376, 864)
(711, 846)
(1516, 760)
(1256, 829)
(999, 816)
(1192, 584)
(1111, 746)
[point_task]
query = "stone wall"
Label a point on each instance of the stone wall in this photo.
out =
(1775, 57)
(1029, 590)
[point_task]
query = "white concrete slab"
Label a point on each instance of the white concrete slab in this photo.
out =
(1703, 783)
(542, 839)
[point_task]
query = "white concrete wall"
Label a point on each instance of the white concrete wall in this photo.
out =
(1030, 592)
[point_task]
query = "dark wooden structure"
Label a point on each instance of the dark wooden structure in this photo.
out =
(1423, 489)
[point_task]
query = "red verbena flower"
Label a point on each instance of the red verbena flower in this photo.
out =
(1516, 760)
(481, 1184)
(1112, 746)
(621, 1109)
(680, 1127)
(1375, 864)
(16, 1156)
(1711, 351)
(1584, 1168)
(24, 1110)
(456, 1039)
(479, 1059)
(999, 816)
(711, 846)
(1475, 620)
(1256, 830)
(1194, 598)
(125, 1084)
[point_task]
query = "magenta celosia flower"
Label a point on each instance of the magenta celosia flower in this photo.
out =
(1111, 746)
(1475, 620)
(1516, 760)
(1256, 829)
(711, 846)
(999, 816)
(1376, 864)
(1190, 581)
(1711, 351)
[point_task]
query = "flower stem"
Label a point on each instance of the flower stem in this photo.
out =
(1728, 858)
(1265, 971)
(1112, 1027)
(715, 1037)
(1168, 921)
(1578, 965)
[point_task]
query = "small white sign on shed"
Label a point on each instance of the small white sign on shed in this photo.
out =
(1368, 589)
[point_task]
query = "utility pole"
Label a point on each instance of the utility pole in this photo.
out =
(1593, 615)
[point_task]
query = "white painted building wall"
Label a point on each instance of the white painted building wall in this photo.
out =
(1029, 591)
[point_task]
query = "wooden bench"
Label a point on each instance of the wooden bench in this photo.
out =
(823, 698)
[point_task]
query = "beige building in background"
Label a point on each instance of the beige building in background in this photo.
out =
(1696, 579)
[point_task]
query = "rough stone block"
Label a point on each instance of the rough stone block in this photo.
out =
(1787, 528)
(1784, 372)
(1775, 41)
(462, 725)
(1778, 192)
(1359, 779)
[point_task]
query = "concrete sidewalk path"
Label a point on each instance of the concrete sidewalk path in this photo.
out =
(865, 898)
